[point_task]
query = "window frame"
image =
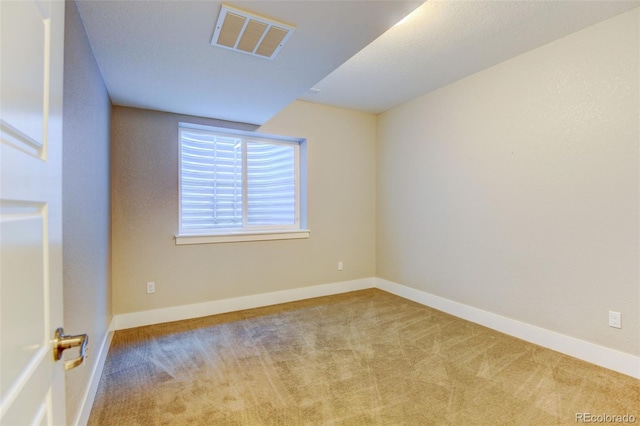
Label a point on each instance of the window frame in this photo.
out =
(249, 232)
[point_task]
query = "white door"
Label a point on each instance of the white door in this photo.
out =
(31, 67)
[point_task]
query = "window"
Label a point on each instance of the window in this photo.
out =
(239, 186)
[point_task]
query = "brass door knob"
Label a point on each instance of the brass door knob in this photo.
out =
(62, 342)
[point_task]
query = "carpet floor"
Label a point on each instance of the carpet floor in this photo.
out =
(361, 358)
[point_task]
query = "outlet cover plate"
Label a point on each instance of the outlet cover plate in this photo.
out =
(614, 319)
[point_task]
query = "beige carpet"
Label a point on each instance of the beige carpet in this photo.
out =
(362, 358)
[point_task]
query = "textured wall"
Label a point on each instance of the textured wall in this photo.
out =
(341, 206)
(86, 208)
(515, 190)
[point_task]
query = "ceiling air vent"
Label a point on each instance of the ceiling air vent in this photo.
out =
(250, 33)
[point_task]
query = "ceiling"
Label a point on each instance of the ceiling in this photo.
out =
(157, 54)
(444, 41)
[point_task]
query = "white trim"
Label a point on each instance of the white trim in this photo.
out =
(94, 378)
(177, 313)
(590, 352)
(595, 354)
(243, 236)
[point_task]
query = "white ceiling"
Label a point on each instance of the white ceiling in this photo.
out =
(444, 41)
(158, 54)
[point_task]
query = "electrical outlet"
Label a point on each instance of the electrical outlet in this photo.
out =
(614, 319)
(151, 287)
(340, 265)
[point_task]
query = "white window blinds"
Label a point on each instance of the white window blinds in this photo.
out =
(271, 184)
(235, 183)
(211, 183)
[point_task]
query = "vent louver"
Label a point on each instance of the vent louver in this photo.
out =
(249, 33)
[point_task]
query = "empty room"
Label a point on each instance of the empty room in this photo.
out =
(320, 212)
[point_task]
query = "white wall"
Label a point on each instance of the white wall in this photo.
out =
(86, 208)
(515, 190)
(341, 213)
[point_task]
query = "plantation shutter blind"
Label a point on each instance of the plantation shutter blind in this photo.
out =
(211, 179)
(236, 183)
(271, 184)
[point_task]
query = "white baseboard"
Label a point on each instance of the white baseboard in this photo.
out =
(177, 313)
(599, 355)
(94, 379)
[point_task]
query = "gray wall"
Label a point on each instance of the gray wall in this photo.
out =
(341, 213)
(515, 190)
(86, 203)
